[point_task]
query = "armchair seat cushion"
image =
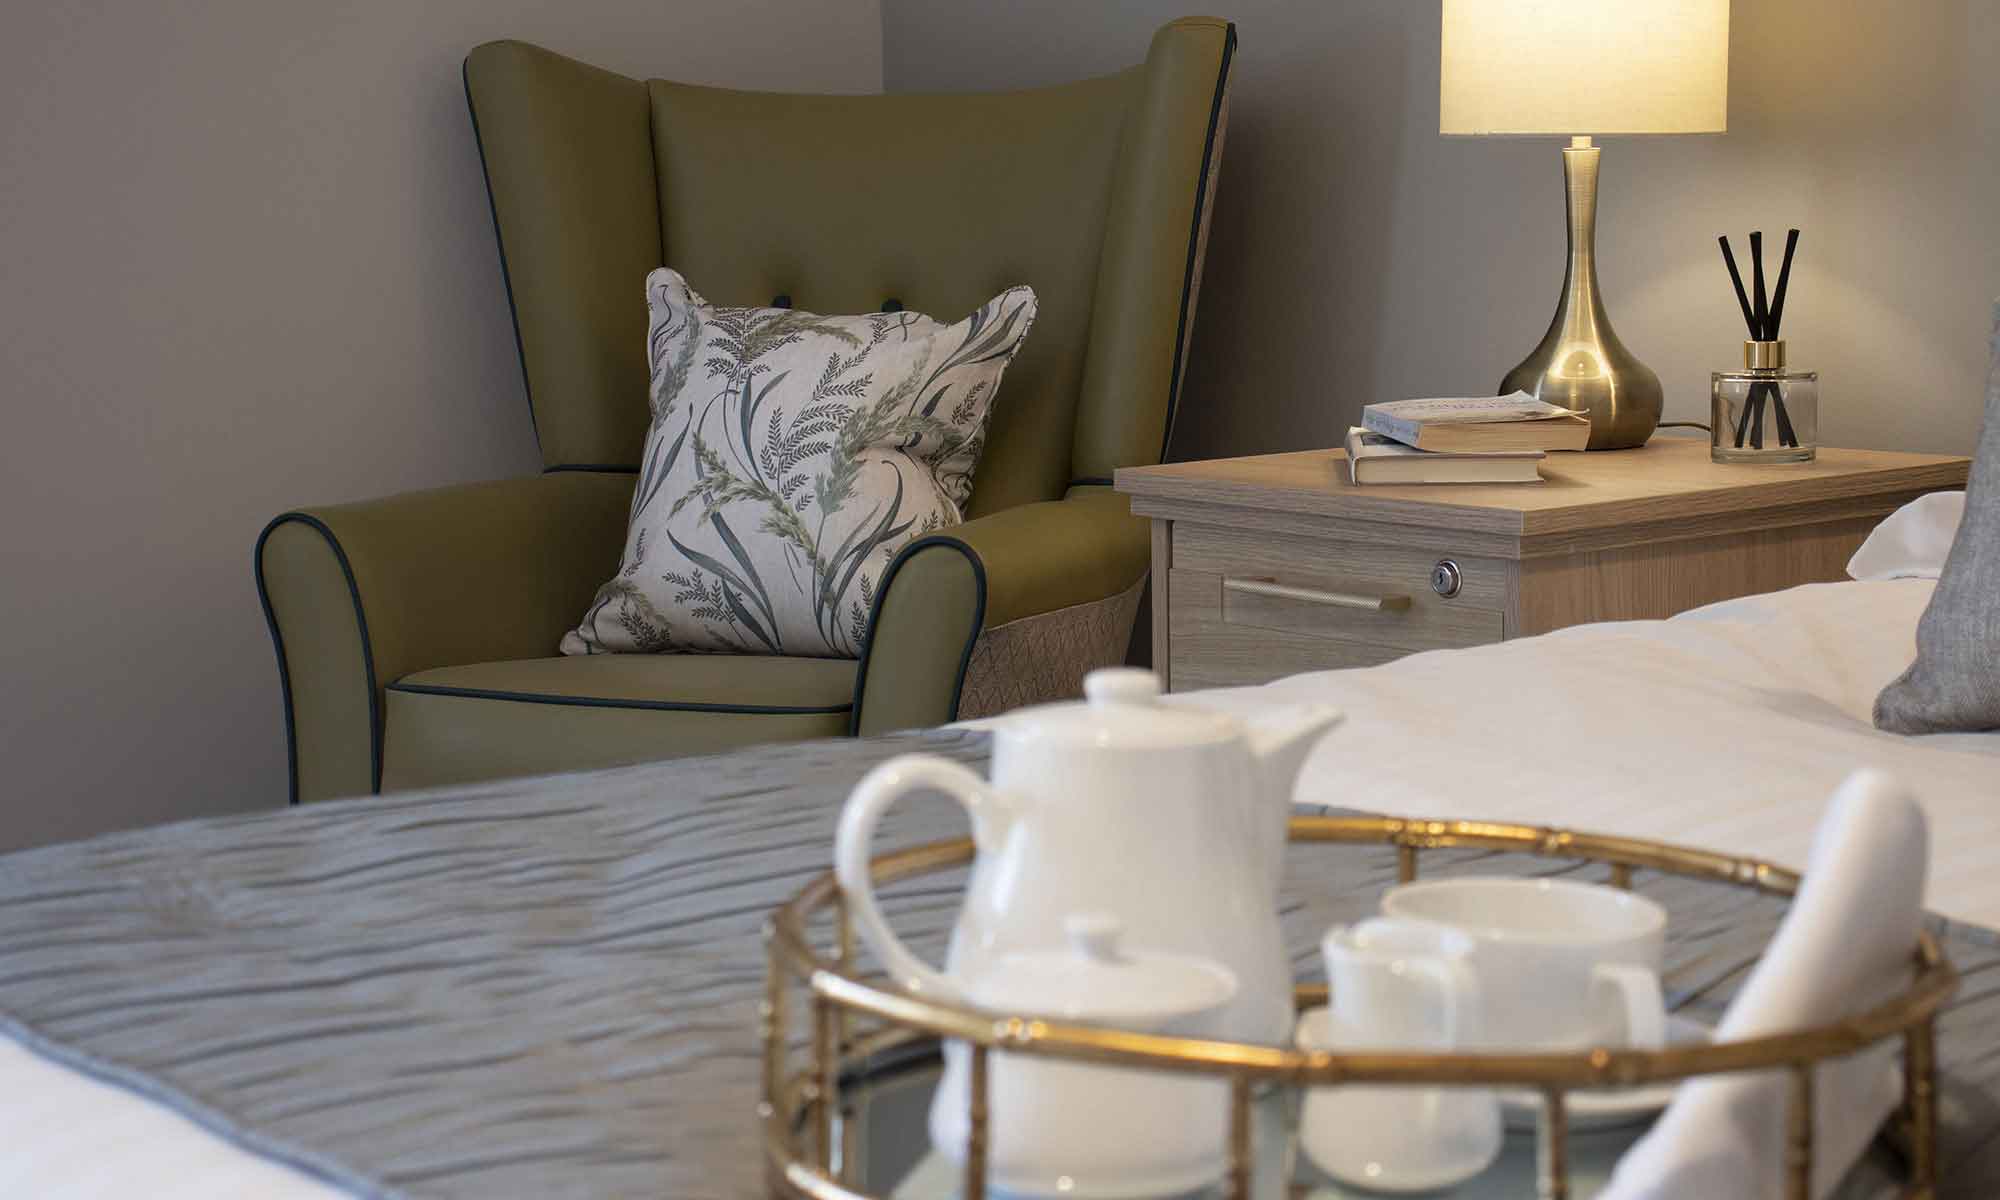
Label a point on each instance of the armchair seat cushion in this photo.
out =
(541, 715)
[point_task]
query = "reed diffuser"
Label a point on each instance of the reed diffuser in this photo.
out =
(1764, 402)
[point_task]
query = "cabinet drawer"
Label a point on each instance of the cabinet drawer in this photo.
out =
(1240, 629)
(1327, 588)
(1248, 607)
(1329, 564)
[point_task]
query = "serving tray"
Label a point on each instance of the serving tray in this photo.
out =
(835, 1122)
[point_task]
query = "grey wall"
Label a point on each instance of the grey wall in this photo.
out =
(246, 262)
(1358, 256)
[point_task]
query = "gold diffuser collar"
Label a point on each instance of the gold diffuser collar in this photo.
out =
(1764, 356)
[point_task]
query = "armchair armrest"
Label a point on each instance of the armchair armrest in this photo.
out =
(360, 595)
(946, 589)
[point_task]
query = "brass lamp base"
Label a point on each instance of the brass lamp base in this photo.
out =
(1580, 363)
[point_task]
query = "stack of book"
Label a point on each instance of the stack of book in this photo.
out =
(1477, 439)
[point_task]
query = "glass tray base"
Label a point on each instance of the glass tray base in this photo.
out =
(882, 1129)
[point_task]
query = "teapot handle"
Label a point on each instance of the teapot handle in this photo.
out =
(878, 789)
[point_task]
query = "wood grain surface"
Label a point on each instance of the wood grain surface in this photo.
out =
(1607, 536)
(1671, 479)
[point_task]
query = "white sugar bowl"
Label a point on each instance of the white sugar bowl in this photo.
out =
(1065, 1128)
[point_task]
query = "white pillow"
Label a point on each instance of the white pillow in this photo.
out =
(1911, 542)
(790, 457)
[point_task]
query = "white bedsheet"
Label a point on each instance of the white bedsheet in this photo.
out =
(1727, 727)
(69, 1136)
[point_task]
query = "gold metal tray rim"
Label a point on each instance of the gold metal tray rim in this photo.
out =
(838, 990)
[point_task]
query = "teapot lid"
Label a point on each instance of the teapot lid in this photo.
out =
(1121, 709)
(1096, 979)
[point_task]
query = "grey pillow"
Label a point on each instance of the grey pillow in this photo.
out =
(1955, 683)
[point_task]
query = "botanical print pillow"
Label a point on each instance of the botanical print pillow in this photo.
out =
(790, 457)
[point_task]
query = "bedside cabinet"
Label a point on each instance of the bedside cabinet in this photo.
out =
(1268, 566)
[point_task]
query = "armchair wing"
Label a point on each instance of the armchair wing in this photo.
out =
(360, 595)
(1051, 586)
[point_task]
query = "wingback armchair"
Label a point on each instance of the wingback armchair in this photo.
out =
(416, 635)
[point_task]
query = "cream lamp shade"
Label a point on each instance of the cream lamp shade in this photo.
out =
(1584, 67)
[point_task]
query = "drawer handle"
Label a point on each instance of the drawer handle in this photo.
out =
(1285, 591)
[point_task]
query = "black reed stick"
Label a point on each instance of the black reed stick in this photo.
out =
(1749, 320)
(1784, 278)
(1760, 322)
(1787, 436)
(1762, 319)
(1736, 278)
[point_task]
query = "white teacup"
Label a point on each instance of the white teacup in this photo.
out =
(1561, 964)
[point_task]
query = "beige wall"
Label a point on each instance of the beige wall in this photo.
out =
(1358, 256)
(246, 262)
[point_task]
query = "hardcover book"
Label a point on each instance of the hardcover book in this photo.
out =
(1479, 424)
(1372, 458)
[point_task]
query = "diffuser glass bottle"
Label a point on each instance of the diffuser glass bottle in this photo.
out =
(1764, 413)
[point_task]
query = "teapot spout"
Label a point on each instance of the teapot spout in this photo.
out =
(1280, 740)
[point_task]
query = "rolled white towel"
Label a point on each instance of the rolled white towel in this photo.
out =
(1844, 946)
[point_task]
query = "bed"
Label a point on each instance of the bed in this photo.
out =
(594, 1007)
(1728, 726)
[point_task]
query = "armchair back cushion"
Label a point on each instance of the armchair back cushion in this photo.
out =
(856, 204)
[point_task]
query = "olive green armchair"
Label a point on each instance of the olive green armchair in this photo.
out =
(416, 635)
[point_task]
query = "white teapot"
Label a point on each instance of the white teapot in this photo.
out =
(1169, 818)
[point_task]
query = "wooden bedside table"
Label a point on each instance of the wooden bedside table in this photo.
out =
(1267, 566)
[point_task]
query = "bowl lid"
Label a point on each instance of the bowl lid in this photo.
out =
(1121, 709)
(1095, 978)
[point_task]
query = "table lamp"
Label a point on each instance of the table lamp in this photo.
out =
(1584, 68)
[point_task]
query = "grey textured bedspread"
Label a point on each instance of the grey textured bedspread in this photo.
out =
(548, 988)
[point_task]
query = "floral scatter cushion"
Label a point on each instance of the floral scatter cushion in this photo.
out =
(790, 457)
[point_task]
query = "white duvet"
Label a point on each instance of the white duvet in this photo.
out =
(1727, 727)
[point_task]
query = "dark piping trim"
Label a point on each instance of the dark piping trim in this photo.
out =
(284, 667)
(1194, 235)
(506, 277)
(761, 710)
(875, 617)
